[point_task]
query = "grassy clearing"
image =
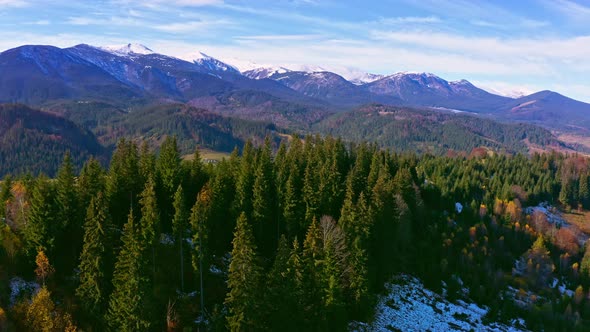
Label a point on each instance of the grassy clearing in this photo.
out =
(579, 218)
(208, 154)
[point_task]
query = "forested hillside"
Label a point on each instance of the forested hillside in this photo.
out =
(32, 141)
(437, 132)
(300, 239)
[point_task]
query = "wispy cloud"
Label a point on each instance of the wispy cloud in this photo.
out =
(192, 26)
(410, 20)
(13, 3)
(571, 9)
(109, 21)
(280, 37)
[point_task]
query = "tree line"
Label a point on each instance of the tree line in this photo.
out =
(299, 236)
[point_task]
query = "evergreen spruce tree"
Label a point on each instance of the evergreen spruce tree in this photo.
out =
(92, 290)
(179, 228)
(245, 181)
(127, 311)
(90, 182)
(243, 282)
(281, 297)
(200, 215)
(169, 172)
(266, 229)
(147, 162)
(149, 223)
(69, 234)
(39, 229)
(123, 181)
(584, 194)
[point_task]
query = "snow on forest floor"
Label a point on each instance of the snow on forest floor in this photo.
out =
(408, 306)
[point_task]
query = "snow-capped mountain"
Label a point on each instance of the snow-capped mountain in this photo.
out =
(211, 63)
(34, 74)
(265, 72)
(127, 49)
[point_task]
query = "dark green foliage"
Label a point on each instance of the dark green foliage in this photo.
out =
(93, 288)
(32, 141)
(430, 131)
(127, 303)
(244, 277)
(39, 232)
(363, 214)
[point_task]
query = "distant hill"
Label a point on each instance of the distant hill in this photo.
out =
(33, 141)
(426, 131)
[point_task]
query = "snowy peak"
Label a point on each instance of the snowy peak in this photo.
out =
(210, 63)
(265, 72)
(127, 49)
(364, 78)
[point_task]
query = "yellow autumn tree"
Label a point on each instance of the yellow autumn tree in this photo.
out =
(40, 312)
(44, 269)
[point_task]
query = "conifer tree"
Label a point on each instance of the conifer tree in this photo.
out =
(200, 215)
(283, 291)
(179, 228)
(266, 231)
(147, 162)
(127, 303)
(149, 223)
(69, 234)
(123, 181)
(245, 181)
(39, 229)
(243, 282)
(169, 172)
(92, 290)
(584, 194)
(90, 182)
(313, 282)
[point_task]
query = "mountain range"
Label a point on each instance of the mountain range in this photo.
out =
(133, 73)
(131, 91)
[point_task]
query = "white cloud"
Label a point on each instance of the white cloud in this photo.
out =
(570, 9)
(13, 3)
(192, 26)
(410, 19)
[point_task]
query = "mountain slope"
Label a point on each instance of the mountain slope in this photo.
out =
(33, 141)
(35, 74)
(549, 108)
(429, 90)
(408, 129)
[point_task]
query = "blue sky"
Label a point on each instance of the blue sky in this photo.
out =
(504, 46)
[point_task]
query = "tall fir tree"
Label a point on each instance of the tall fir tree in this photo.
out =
(245, 180)
(179, 228)
(584, 194)
(244, 277)
(90, 182)
(149, 224)
(69, 236)
(169, 172)
(123, 181)
(127, 304)
(264, 219)
(39, 231)
(200, 215)
(93, 288)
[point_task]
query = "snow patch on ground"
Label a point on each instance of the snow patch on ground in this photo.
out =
(19, 287)
(408, 306)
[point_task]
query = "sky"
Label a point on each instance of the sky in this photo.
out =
(504, 46)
